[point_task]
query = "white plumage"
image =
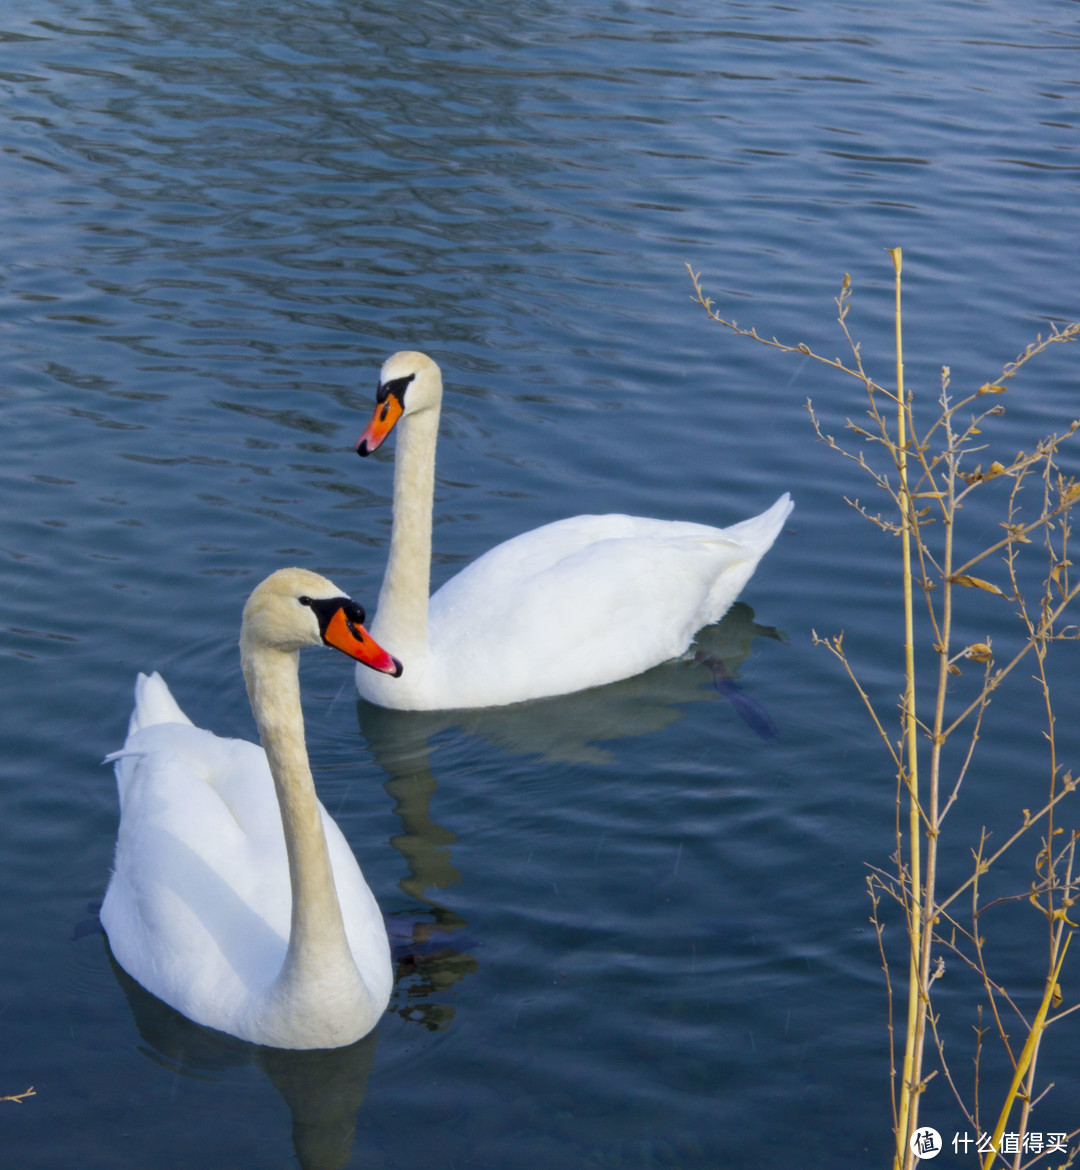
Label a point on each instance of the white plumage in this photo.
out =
(573, 604)
(203, 908)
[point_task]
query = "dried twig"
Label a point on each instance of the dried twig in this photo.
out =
(19, 1098)
(927, 476)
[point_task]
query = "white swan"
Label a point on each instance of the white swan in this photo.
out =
(570, 605)
(234, 897)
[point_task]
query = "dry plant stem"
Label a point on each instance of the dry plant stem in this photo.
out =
(979, 1033)
(835, 646)
(1069, 1161)
(993, 990)
(928, 480)
(912, 1071)
(973, 739)
(1026, 1057)
(1000, 674)
(1069, 785)
(19, 1098)
(1069, 333)
(971, 1117)
(1058, 940)
(1038, 631)
(872, 883)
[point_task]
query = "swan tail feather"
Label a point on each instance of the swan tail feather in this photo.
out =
(123, 754)
(762, 530)
(154, 703)
(756, 535)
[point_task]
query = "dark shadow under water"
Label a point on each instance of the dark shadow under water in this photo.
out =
(432, 948)
(568, 728)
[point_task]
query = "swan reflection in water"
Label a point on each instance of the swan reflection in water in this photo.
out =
(570, 728)
(432, 950)
(324, 1089)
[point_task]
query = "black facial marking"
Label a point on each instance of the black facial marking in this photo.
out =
(395, 386)
(324, 609)
(354, 617)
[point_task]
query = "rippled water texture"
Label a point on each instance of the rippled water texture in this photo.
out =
(631, 929)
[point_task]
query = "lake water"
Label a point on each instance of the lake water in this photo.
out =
(631, 931)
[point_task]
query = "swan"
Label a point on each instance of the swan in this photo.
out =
(573, 604)
(234, 897)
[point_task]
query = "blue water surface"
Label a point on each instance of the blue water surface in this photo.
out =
(631, 927)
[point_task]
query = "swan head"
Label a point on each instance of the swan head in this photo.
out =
(293, 608)
(409, 382)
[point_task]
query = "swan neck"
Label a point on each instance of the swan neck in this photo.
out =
(402, 615)
(317, 935)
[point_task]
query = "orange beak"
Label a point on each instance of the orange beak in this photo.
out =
(351, 638)
(382, 423)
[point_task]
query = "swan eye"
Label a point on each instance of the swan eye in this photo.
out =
(304, 600)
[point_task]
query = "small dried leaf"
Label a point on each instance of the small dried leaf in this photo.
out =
(954, 669)
(1056, 998)
(978, 475)
(979, 652)
(975, 583)
(991, 388)
(1016, 532)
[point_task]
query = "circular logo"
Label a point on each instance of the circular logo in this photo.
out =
(925, 1142)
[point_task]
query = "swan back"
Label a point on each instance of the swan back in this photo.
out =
(577, 603)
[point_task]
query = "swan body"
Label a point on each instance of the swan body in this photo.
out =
(573, 604)
(234, 897)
